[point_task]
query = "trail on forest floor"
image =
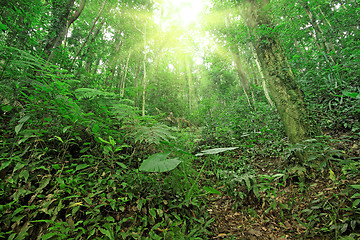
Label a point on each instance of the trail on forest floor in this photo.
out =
(286, 214)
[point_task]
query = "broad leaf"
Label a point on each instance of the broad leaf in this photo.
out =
(352, 94)
(159, 163)
(357, 186)
(81, 167)
(214, 151)
(6, 108)
(212, 190)
(18, 128)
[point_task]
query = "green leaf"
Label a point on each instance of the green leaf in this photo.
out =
(3, 26)
(12, 236)
(215, 151)
(352, 94)
(18, 128)
(18, 166)
(59, 138)
(5, 164)
(24, 119)
(152, 212)
(95, 128)
(121, 165)
(355, 186)
(356, 195)
(66, 128)
(43, 183)
(6, 108)
(56, 166)
(5, 207)
(112, 141)
(121, 147)
(106, 232)
(48, 235)
(332, 175)
(355, 203)
(84, 149)
(212, 190)
(159, 163)
(25, 174)
(81, 166)
(104, 141)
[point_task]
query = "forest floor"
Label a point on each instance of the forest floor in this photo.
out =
(271, 198)
(310, 208)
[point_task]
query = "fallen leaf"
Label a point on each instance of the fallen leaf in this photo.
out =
(255, 232)
(221, 235)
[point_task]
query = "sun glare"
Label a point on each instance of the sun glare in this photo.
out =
(188, 11)
(181, 23)
(180, 12)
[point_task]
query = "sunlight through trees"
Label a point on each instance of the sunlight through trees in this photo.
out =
(179, 119)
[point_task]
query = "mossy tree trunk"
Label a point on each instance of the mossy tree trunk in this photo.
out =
(288, 98)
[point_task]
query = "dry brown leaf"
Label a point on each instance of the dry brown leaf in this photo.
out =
(255, 232)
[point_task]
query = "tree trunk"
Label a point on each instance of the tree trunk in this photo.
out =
(61, 23)
(92, 28)
(190, 83)
(288, 98)
(113, 61)
(144, 79)
(90, 53)
(263, 82)
(242, 76)
(136, 84)
(122, 82)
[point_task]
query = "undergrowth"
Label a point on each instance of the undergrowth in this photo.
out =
(73, 167)
(70, 161)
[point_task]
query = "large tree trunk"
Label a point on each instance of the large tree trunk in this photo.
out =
(288, 98)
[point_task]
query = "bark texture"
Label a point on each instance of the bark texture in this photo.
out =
(288, 98)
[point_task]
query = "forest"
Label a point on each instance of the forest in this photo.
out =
(187, 119)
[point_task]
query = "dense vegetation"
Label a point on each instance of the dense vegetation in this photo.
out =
(120, 121)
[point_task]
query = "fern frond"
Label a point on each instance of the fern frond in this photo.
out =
(123, 111)
(91, 93)
(153, 134)
(21, 59)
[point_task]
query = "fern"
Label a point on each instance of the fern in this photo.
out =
(153, 134)
(123, 112)
(20, 59)
(91, 93)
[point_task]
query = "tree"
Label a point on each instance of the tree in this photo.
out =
(61, 21)
(288, 98)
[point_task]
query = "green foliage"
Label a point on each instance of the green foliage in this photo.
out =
(89, 93)
(159, 163)
(88, 198)
(152, 134)
(67, 172)
(317, 152)
(79, 161)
